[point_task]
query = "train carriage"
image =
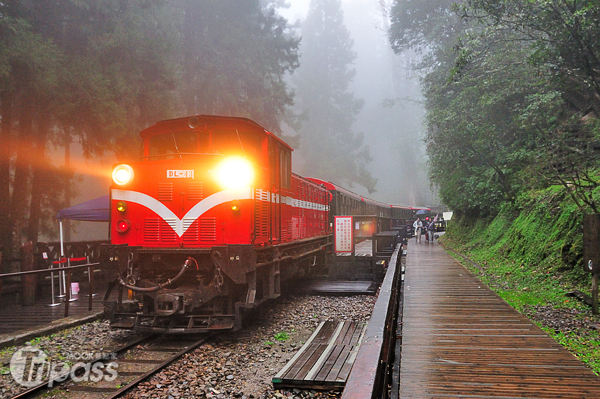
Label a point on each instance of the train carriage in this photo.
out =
(402, 215)
(371, 217)
(402, 220)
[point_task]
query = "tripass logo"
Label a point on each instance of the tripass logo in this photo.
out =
(30, 367)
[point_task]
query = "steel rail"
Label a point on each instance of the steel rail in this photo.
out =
(66, 377)
(63, 378)
(158, 368)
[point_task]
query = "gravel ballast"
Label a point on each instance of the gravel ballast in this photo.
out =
(77, 344)
(231, 365)
(242, 364)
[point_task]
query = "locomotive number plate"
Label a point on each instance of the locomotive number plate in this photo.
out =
(180, 174)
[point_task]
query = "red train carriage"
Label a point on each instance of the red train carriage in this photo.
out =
(402, 216)
(347, 203)
(402, 220)
(208, 223)
(371, 216)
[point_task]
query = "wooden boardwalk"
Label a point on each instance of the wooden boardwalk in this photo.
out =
(460, 339)
(325, 360)
(16, 318)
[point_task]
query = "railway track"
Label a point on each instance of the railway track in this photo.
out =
(112, 375)
(235, 364)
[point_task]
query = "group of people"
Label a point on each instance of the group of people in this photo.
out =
(421, 228)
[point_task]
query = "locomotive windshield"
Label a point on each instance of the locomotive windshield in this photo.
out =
(234, 142)
(219, 141)
(171, 145)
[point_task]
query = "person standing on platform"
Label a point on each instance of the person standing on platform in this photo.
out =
(430, 229)
(418, 225)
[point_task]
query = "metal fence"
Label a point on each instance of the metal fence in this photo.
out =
(58, 260)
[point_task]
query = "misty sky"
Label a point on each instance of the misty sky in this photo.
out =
(380, 76)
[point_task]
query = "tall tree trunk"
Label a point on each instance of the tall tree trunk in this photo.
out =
(67, 185)
(190, 63)
(5, 151)
(19, 202)
(38, 187)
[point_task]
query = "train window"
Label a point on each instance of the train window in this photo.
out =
(236, 142)
(286, 168)
(203, 142)
(171, 145)
(272, 161)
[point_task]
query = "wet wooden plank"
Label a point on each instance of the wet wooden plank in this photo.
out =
(325, 360)
(341, 287)
(300, 356)
(334, 371)
(460, 339)
(331, 360)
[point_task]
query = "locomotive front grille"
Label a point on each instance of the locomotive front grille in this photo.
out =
(261, 215)
(152, 230)
(191, 230)
(289, 230)
(158, 230)
(208, 229)
(195, 192)
(165, 192)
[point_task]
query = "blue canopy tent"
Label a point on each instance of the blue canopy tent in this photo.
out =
(96, 210)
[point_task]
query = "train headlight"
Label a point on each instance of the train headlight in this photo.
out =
(122, 174)
(235, 173)
(123, 226)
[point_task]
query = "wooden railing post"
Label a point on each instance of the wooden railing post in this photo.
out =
(591, 253)
(68, 293)
(1, 266)
(91, 286)
(595, 293)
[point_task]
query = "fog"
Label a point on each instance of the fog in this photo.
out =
(392, 116)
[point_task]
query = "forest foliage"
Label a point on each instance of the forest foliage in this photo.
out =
(512, 97)
(96, 72)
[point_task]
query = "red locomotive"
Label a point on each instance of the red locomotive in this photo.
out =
(207, 224)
